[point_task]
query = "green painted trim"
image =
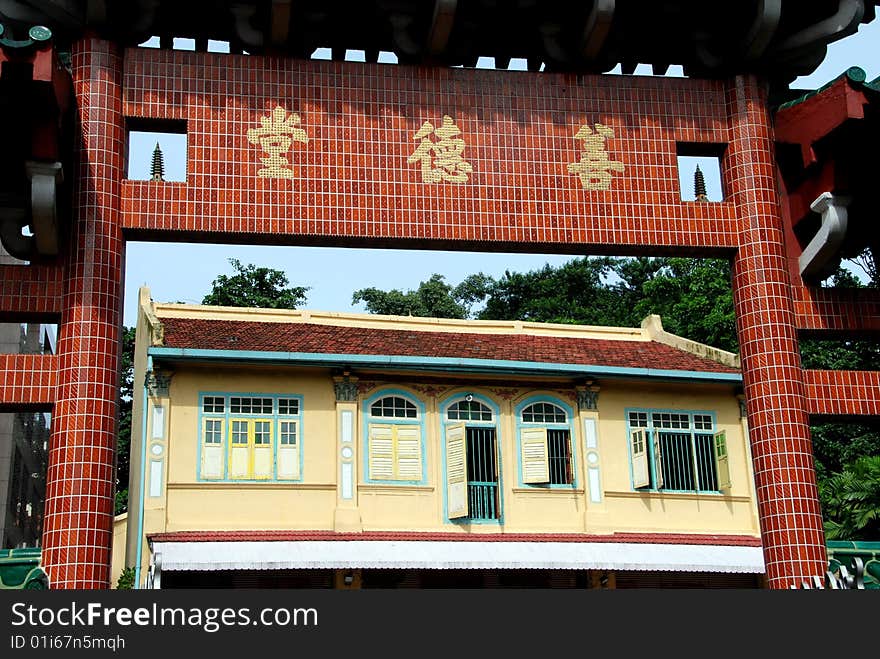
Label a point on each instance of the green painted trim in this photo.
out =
(853, 74)
(445, 364)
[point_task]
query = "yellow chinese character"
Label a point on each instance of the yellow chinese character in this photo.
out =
(447, 165)
(594, 167)
(276, 133)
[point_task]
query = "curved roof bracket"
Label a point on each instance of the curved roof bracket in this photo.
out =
(403, 42)
(280, 23)
(842, 23)
(244, 30)
(441, 26)
(763, 28)
(18, 245)
(597, 28)
(821, 257)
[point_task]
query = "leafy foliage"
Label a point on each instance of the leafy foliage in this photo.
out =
(123, 434)
(126, 579)
(851, 500)
(571, 293)
(253, 286)
(692, 295)
(433, 298)
(694, 299)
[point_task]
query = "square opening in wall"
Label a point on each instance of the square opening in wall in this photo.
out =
(699, 172)
(156, 150)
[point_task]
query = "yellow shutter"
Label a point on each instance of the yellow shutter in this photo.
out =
(722, 461)
(381, 450)
(641, 475)
(239, 462)
(409, 453)
(535, 460)
(456, 471)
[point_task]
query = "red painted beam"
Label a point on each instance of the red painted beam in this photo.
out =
(814, 118)
(27, 381)
(843, 393)
(30, 292)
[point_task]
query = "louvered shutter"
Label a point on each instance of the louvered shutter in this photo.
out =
(641, 475)
(409, 453)
(288, 454)
(658, 461)
(381, 449)
(722, 461)
(535, 458)
(238, 450)
(456, 471)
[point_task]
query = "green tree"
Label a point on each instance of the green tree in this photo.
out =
(126, 579)
(851, 501)
(123, 434)
(433, 298)
(694, 299)
(571, 293)
(253, 286)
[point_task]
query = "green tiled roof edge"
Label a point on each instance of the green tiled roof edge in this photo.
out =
(856, 76)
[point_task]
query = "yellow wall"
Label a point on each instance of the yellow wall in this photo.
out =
(117, 562)
(310, 504)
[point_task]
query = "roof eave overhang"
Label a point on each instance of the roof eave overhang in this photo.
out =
(438, 364)
(434, 555)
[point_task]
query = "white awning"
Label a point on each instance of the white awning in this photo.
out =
(443, 555)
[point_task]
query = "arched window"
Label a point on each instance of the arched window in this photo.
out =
(544, 413)
(545, 444)
(473, 476)
(394, 407)
(394, 439)
(469, 410)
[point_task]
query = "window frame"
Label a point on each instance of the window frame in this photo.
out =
(443, 408)
(227, 417)
(569, 425)
(369, 420)
(692, 430)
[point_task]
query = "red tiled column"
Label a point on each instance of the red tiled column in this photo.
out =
(77, 533)
(788, 500)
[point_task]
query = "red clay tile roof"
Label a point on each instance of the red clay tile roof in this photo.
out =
(332, 339)
(302, 536)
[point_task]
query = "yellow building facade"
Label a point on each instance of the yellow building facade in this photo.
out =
(297, 448)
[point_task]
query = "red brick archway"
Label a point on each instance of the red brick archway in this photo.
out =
(358, 179)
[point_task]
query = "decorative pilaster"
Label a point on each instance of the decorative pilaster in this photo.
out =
(347, 517)
(785, 478)
(346, 388)
(587, 397)
(588, 419)
(158, 383)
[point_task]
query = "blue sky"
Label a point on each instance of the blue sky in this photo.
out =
(184, 272)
